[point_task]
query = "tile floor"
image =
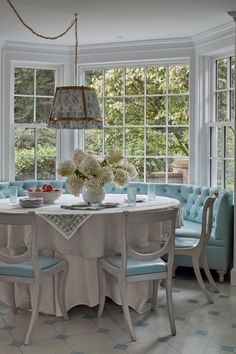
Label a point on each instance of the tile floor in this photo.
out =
(201, 328)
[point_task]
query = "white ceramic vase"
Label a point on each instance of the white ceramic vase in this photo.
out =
(92, 197)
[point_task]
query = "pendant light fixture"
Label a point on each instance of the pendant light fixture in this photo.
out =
(74, 107)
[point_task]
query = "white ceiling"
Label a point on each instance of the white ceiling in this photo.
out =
(107, 21)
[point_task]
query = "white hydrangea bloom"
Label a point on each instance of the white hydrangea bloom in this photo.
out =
(78, 156)
(130, 169)
(106, 175)
(74, 184)
(121, 177)
(114, 156)
(66, 168)
(90, 167)
(93, 184)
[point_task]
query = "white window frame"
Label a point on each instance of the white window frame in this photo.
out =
(35, 66)
(145, 64)
(212, 123)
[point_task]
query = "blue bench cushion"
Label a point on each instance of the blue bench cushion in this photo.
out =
(185, 242)
(192, 229)
(135, 267)
(25, 269)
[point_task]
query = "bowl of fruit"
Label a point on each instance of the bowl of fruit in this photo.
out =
(47, 192)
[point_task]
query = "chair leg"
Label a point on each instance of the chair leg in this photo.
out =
(12, 297)
(197, 271)
(170, 305)
(208, 273)
(125, 307)
(154, 294)
(61, 294)
(35, 308)
(102, 290)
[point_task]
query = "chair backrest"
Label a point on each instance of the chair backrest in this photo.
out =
(207, 220)
(32, 251)
(148, 217)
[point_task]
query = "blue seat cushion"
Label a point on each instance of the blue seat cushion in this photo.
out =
(185, 242)
(193, 229)
(135, 267)
(25, 269)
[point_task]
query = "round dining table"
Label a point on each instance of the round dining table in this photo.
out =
(82, 234)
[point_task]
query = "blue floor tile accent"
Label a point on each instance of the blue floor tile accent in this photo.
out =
(50, 322)
(213, 313)
(16, 343)
(120, 346)
(224, 296)
(201, 333)
(163, 339)
(88, 317)
(174, 290)
(161, 306)
(142, 324)
(62, 337)
(193, 301)
(180, 318)
(7, 328)
(104, 330)
(227, 348)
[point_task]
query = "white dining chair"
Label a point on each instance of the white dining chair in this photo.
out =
(31, 268)
(196, 248)
(135, 266)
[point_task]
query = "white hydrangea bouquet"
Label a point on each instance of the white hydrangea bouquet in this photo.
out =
(85, 171)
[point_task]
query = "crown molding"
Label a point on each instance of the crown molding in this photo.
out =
(214, 34)
(203, 39)
(38, 48)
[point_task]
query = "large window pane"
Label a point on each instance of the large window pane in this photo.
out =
(134, 141)
(156, 141)
(113, 111)
(114, 82)
(134, 111)
(46, 165)
(156, 170)
(43, 109)
(24, 81)
(178, 141)
(45, 82)
(229, 176)
(156, 80)
(178, 110)
(24, 141)
(24, 110)
(221, 75)
(229, 143)
(134, 81)
(113, 139)
(221, 99)
(179, 79)
(93, 142)
(178, 170)
(94, 79)
(232, 72)
(24, 167)
(156, 110)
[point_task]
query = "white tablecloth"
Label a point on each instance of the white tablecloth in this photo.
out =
(95, 237)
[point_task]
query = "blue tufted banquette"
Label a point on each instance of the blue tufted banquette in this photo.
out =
(191, 197)
(220, 246)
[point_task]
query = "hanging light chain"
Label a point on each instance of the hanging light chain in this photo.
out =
(76, 49)
(74, 22)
